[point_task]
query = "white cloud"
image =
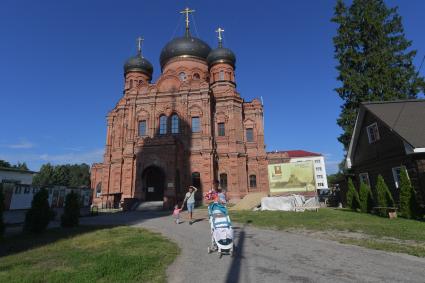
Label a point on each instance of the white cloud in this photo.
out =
(23, 144)
(74, 157)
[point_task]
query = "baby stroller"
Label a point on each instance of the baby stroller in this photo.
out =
(221, 230)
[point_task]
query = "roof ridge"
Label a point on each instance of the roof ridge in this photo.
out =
(393, 101)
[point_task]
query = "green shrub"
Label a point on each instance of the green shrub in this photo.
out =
(71, 214)
(38, 217)
(365, 197)
(353, 201)
(383, 196)
(2, 225)
(407, 196)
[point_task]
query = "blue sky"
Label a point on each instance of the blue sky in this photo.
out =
(61, 68)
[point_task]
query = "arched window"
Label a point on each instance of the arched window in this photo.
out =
(175, 124)
(98, 189)
(196, 76)
(131, 83)
(142, 128)
(221, 76)
(252, 181)
(223, 181)
(196, 179)
(249, 134)
(182, 76)
(162, 125)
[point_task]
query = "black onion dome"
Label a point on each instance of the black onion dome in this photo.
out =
(138, 64)
(184, 46)
(221, 55)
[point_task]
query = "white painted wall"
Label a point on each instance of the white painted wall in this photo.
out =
(319, 170)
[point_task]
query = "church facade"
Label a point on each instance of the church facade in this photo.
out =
(189, 127)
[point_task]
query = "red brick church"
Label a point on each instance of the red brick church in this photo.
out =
(189, 127)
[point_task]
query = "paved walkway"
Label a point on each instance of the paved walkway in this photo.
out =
(269, 256)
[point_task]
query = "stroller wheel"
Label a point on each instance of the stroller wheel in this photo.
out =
(219, 254)
(209, 250)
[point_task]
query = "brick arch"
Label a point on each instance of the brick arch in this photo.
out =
(221, 117)
(168, 83)
(195, 110)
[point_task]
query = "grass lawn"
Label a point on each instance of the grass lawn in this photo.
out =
(397, 235)
(87, 254)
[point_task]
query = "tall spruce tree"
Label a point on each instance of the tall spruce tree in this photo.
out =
(2, 225)
(407, 196)
(366, 198)
(375, 59)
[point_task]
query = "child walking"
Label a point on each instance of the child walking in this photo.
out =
(176, 213)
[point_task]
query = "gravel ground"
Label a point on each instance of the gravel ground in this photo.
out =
(269, 256)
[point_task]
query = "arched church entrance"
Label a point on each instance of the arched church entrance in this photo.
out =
(153, 183)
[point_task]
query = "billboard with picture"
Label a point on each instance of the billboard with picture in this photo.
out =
(291, 177)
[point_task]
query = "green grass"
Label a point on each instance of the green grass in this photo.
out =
(87, 254)
(397, 235)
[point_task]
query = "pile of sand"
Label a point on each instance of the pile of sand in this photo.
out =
(250, 201)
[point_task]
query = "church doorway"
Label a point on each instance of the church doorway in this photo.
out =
(153, 182)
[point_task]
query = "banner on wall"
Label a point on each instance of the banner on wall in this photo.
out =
(291, 177)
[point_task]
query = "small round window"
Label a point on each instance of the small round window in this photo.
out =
(182, 76)
(196, 76)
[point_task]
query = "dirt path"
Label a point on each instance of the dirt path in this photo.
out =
(270, 256)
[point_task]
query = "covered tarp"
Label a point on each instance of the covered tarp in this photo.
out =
(288, 203)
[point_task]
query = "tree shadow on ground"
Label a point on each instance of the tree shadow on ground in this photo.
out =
(20, 242)
(27, 241)
(234, 272)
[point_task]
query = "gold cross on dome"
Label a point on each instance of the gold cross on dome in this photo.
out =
(220, 38)
(139, 45)
(187, 11)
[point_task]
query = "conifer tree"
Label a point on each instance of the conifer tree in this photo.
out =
(366, 198)
(353, 201)
(383, 195)
(40, 214)
(407, 196)
(2, 225)
(70, 217)
(375, 59)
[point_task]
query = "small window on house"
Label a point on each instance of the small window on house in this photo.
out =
(195, 125)
(364, 178)
(131, 83)
(252, 181)
(175, 124)
(320, 184)
(196, 76)
(319, 176)
(250, 135)
(142, 128)
(319, 169)
(27, 190)
(221, 130)
(17, 190)
(182, 76)
(396, 175)
(163, 125)
(372, 133)
(221, 75)
(223, 181)
(317, 161)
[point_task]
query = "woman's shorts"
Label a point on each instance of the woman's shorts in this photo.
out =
(190, 206)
